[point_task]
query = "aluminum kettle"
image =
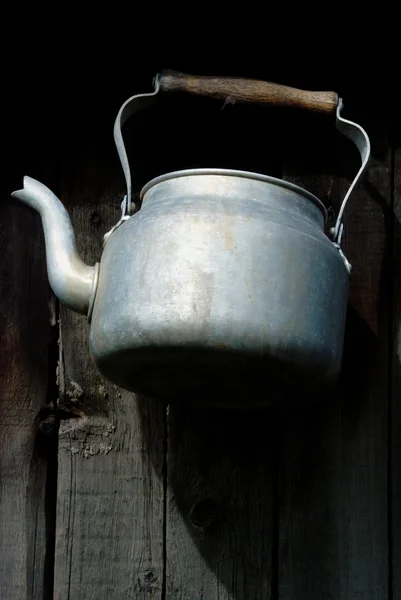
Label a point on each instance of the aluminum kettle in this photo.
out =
(224, 285)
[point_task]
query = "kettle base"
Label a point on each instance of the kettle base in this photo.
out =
(211, 378)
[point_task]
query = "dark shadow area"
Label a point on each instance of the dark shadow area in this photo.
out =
(394, 462)
(222, 477)
(42, 483)
(223, 471)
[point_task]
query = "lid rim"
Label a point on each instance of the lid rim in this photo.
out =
(234, 173)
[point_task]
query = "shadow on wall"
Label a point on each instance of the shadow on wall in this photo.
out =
(226, 488)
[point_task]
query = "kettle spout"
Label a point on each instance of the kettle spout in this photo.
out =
(72, 281)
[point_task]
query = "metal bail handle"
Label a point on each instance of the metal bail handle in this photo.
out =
(358, 135)
(234, 89)
(129, 107)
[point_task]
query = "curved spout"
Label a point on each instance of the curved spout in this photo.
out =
(70, 278)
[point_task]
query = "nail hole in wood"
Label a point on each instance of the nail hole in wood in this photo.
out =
(96, 219)
(204, 512)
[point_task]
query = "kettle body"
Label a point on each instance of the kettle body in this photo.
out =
(222, 282)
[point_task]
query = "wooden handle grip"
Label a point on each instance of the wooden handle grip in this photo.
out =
(234, 89)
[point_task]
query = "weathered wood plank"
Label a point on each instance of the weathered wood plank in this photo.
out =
(109, 540)
(220, 520)
(333, 455)
(395, 409)
(26, 460)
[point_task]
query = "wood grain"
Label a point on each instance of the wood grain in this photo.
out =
(27, 454)
(236, 89)
(395, 409)
(220, 505)
(333, 454)
(109, 541)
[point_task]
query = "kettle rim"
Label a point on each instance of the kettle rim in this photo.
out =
(234, 173)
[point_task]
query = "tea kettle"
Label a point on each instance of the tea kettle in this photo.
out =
(224, 284)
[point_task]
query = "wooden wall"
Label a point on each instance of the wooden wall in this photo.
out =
(108, 495)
